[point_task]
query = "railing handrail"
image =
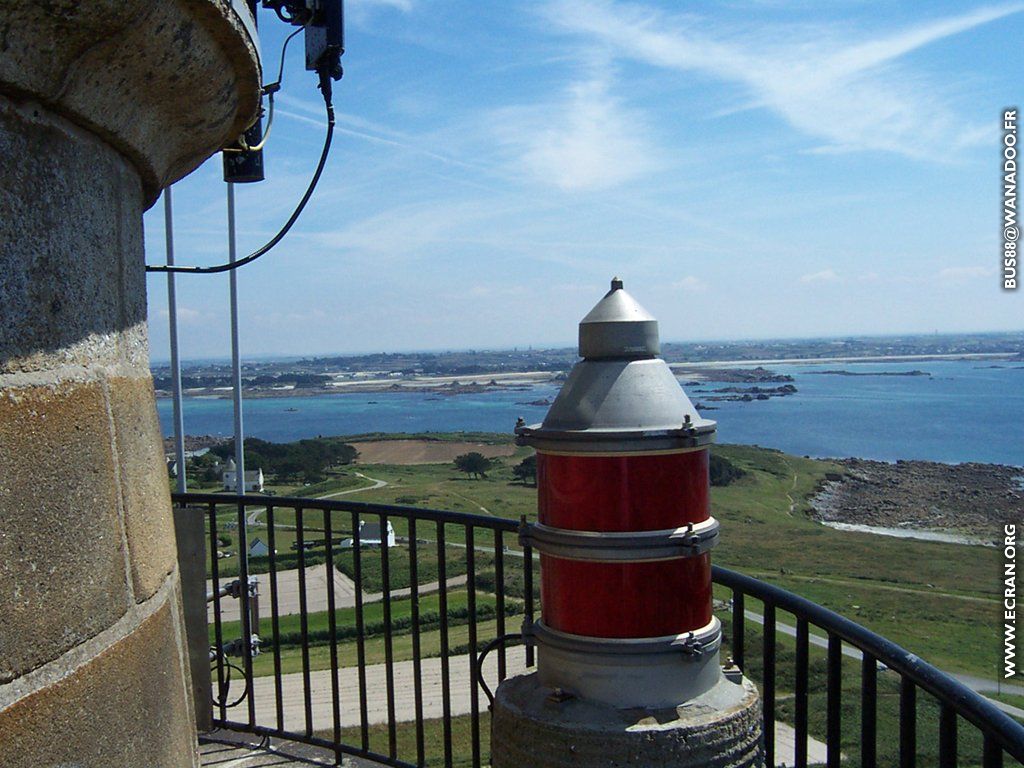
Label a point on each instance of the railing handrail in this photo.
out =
(971, 705)
(997, 727)
(343, 505)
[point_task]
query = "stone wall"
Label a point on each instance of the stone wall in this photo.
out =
(93, 668)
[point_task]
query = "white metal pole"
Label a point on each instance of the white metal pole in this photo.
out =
(236, 361)
(248, 620)
(172, 313)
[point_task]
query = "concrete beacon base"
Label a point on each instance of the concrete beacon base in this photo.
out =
(533, 726)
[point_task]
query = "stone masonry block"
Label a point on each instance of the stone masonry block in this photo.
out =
(144, 487)
(125, 707)
(62, 567)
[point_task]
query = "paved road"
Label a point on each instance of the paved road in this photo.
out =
(293, 701)
(253, 518)
(977, 684)
(316, 593)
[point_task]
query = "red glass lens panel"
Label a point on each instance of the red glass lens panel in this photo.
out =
(626, 600)
(623, 493)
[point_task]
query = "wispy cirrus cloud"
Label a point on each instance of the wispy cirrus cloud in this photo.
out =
(401, 5)
(824, 276)
(691, 284)
(585, 139)
(848, 92)
(960, 274)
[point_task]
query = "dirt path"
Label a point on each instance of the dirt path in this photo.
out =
(253, 518)
(476, 504)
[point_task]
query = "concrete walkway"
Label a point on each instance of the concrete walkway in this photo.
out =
(293, 701)
(316, 593)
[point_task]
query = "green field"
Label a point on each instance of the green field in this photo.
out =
(930, 597)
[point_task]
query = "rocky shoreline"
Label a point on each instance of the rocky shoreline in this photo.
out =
(974, 499)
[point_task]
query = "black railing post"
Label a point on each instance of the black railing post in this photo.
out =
(528, 617)
(446, 691)
(275, 625)
(307, 693)
(801, 693)
(499, 595)
(947, 737)
(834, 700)
(417, 664)
(357, 570)
(218, 632)
(768, 683)
(332, 628)
(908, 723)
(738, 627)
(868, 711)
(389, 652)
(474, 702)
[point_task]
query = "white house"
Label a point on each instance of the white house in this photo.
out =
(369, 534)
(253, 478)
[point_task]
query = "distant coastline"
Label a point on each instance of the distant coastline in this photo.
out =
(474, 383)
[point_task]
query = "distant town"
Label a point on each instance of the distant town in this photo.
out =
(455, 372)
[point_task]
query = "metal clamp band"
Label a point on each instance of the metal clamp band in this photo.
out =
(617, 441)
(621, 546)
(691, 646)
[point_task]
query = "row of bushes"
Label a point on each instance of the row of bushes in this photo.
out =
(399, 625)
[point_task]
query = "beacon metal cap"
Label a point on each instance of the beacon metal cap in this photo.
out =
(620, 398)
(618, 327)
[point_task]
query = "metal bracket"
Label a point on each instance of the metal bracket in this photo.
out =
(236, 648)
(691, 646)
(609, 442)
(234, 589)
(621, 546)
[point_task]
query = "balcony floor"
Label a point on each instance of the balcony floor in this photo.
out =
(231, 750)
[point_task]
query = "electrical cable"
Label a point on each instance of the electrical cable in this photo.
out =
(325, 89)
(270, 89)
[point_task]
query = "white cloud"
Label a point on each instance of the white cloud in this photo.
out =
(186, 315)
(402, 5)
(849, 94)
(588, 140)
(958, 274)
(690, 283)
(824, 276)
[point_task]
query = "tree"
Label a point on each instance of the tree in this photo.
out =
(473, 464)
(526, 470)
(723, 471)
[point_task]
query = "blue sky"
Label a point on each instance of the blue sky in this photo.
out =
(751, 169)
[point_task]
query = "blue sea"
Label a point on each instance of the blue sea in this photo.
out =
(962, 411)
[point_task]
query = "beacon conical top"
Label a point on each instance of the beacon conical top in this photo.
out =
(618, 327)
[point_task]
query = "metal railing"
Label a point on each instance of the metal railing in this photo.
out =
(373, 649)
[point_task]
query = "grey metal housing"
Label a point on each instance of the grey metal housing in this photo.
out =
(619, 398)
(622, 546)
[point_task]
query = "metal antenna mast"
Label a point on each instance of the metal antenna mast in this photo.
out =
(236, 360)
(172, 313)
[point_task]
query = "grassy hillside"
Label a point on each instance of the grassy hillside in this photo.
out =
(936, 599)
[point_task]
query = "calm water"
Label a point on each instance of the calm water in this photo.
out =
(964, 411)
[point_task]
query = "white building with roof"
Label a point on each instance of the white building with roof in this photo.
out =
(370, 534)
(253, 478)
